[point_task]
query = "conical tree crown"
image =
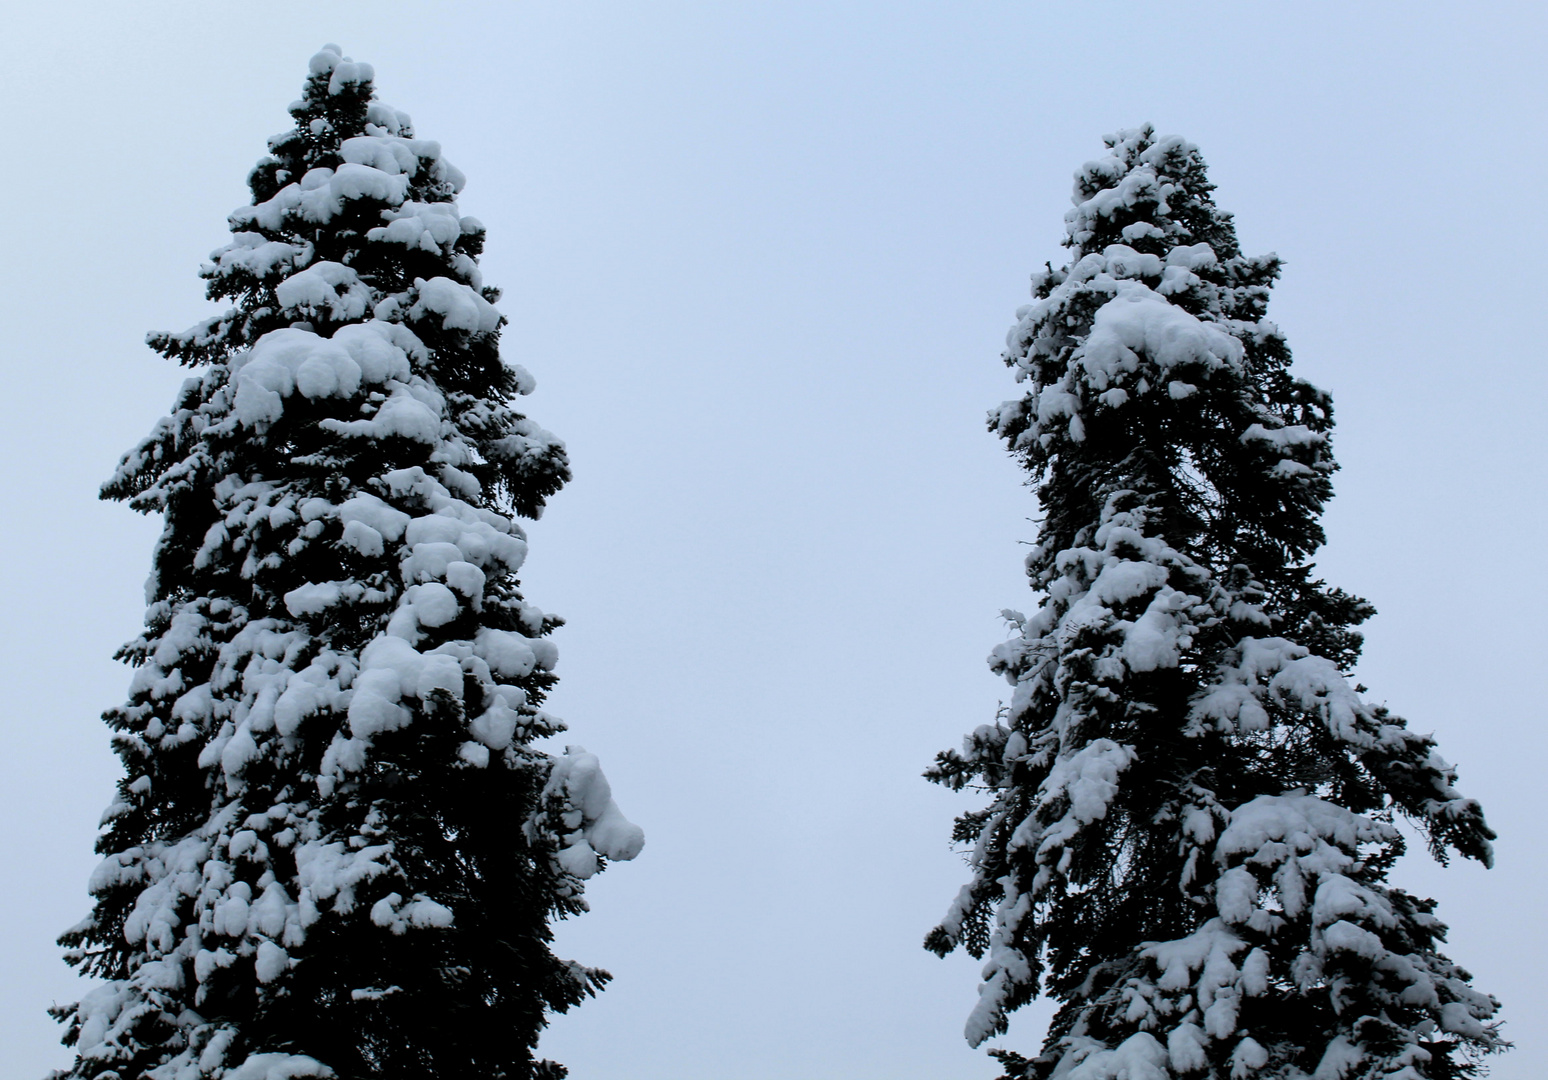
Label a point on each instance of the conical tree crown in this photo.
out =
(1192, 814)
(336, 850)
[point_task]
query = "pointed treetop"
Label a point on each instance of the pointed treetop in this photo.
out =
(1146, 189)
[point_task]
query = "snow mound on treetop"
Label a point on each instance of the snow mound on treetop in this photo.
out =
(344, 71)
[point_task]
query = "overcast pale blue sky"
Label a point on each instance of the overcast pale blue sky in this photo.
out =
(761, 259)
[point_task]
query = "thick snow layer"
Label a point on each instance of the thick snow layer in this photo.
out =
(325, 289)
(385, 521)
(321, 195)
(592, 819)
(252, 253)
(342, 73)
(279, 1067)
(1088, 779)
(458, 305)
(1140, 1057)
(388, 154)
(1140, 323)
(405, 415)
(289, 361)
(329, 871)
(1301, 822)
(391, 912)
(381, 349)
(272, 371)
(433, 227)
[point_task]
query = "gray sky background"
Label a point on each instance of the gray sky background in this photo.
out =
(761, 259)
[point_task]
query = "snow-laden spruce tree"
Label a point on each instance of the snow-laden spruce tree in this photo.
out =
(1192, 815)
(336, 850)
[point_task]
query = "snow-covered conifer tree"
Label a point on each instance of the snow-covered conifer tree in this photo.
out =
(337, 850)
(1192, 814)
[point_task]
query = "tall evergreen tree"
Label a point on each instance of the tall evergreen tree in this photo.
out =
(1192, 815)
(336, 851)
